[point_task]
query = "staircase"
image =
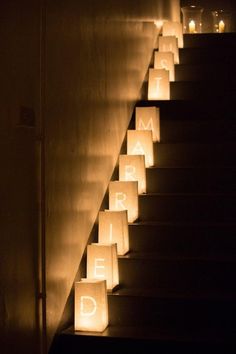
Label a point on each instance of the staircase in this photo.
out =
(177, 284)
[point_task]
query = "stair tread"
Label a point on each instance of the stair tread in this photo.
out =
(192, 167)
(197, 65)
(184, 223)
(202, 84)
(202, 143)
(203, 294)
(189, 194)
(157, 256)
(157, 333)
(146, 102)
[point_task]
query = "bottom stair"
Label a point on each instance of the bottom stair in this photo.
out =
(140, 340)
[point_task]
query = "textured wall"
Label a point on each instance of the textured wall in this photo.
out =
(97, 55)
(19, 87)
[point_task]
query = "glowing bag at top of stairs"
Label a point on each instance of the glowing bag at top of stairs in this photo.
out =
(113, 228)
(139, 142)
(148, 118)
(165, 60)
(91, 305)
(169, 44)
(102, 263)
(174, 29)
(124, 196)
(158, 84)
(132, 168)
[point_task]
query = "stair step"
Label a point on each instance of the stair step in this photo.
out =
(199, 90)
(145, 270)
(209, 109)
(191, 179)
(189, 239)
(198, 131)
(219, 55)
(210, 40)
(195, 154)
(216, 72)
(177, 291)
(187, 207)
(143, 339)
(163, 308)
(187, 90)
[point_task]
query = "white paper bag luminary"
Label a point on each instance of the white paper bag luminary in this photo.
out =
(113, 228)
(124, 196)
(132, 168)
(102, 263)
(139, 142)
(174, 29)
(148, 118)
(165, 60)
(91, 305)
(169, 44)
(158, 84)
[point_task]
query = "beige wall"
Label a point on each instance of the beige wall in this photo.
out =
(19, 87)
(97, 55)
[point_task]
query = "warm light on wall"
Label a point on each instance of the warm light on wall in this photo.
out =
(158, 84)
(91, 306)
(113, 228)
(139, 142)
(102, 263)
(174, 29)
(124, 196)
(165, 60)
(148, 118)
(169, 44)
(132, 168)
(158, 24)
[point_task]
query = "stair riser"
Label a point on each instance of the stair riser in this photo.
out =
(87, 344)
(193, 90)
(183, 239)
(216, 72)
(195, 154)
(187, 208)
(187, 180)
(197, 131)
(214, 42)
(197, 56)
(196, 90)
(166, 312)
(191, 110)
(176, 274)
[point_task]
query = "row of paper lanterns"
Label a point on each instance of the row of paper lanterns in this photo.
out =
(164, 61)
(91, 303)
